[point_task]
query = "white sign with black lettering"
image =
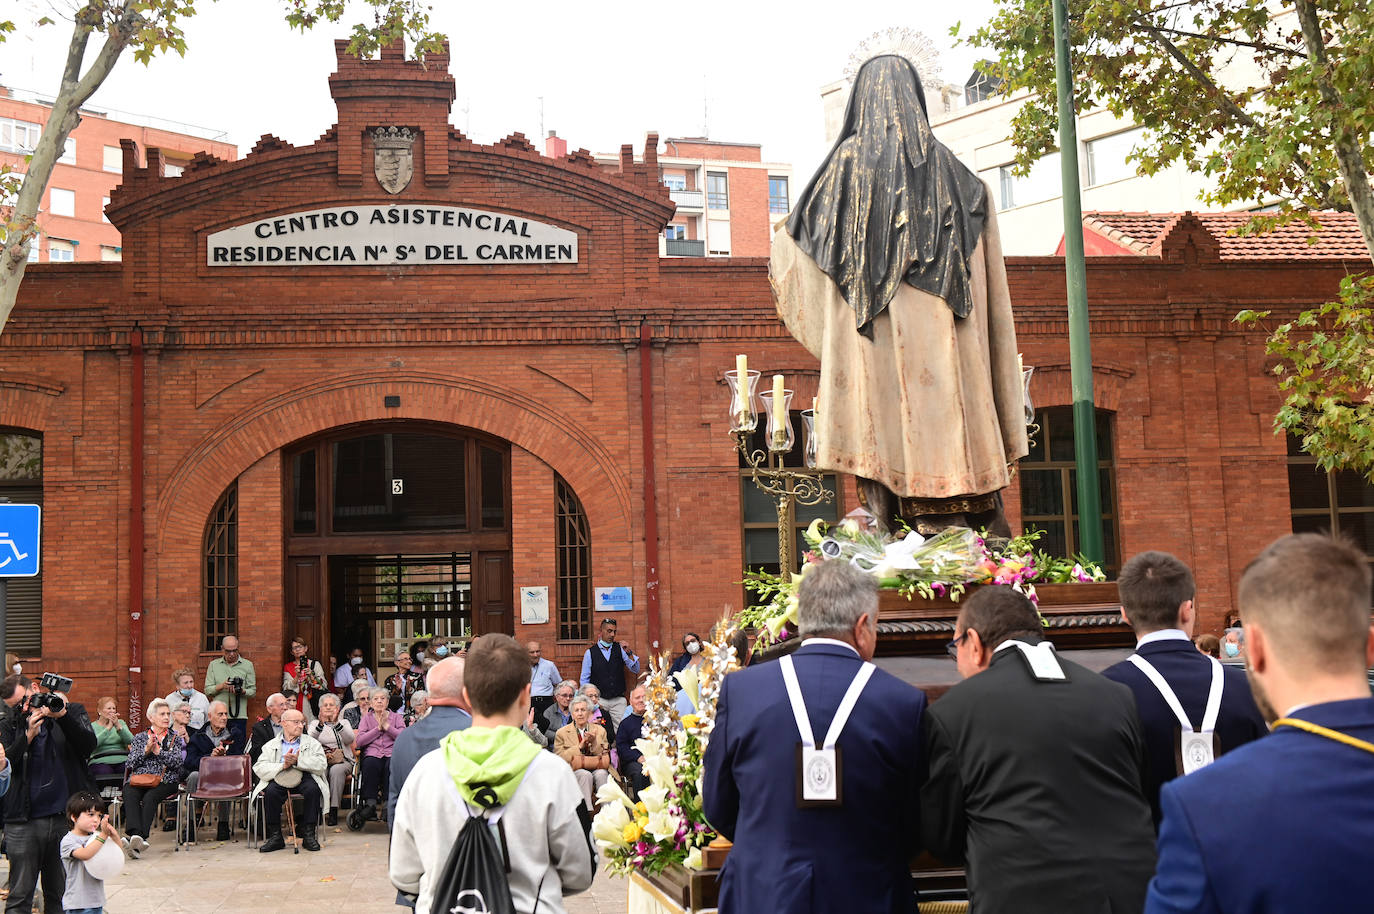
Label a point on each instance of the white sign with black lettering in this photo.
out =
(388, 235)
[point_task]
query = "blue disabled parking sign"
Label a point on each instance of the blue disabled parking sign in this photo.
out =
(19, 531)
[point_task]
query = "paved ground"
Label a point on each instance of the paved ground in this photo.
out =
(348, 875)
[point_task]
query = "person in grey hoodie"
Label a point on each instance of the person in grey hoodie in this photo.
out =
(493, 765)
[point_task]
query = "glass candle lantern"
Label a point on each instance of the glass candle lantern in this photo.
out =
(781, 438)
(743, 416)
(1026, 373)
(808, 417)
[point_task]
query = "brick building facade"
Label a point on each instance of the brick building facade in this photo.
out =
(216, 431)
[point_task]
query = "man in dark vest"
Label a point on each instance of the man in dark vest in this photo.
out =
(604, 666)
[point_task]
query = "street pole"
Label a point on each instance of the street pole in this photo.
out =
(1076, 280)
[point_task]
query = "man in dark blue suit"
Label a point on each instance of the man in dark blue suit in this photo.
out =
(1157, 600)
(795, 851)
(1286, 823)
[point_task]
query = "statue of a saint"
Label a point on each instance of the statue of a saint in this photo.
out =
(889, 270)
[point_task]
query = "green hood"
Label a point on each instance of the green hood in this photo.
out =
(491, 757)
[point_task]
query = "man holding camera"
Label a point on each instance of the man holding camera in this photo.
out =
(46, 739)
(232, 680)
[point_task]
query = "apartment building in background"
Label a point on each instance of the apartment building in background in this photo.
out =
(727, 196)
(71, 219)
(975, 121)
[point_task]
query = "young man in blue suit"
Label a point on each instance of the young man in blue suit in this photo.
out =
(1286, 823)
(1157, 600)
(839, 838)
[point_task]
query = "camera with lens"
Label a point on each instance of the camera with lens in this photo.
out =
(46, 700)
(235, 684)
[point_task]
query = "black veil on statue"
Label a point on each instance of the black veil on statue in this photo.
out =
(891, 202)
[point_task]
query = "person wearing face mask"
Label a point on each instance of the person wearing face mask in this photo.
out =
(12, 665)
(185, 693)
(347, 671)
(1233, 647)
(691, 654)
(419, 651)
(604, 665)
(1172, 681)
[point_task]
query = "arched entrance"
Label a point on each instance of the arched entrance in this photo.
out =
(396, 529)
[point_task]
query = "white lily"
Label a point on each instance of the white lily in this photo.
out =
(693, 860)
(663, 825)
(610, 792)
(691, 684)
(608, 828)
(653, 798)
(659, 768)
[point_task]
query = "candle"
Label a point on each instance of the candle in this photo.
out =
(1020, 366)
(742, 386)
(779, 404)
(813, 407)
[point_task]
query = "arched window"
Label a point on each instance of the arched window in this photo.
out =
(573, 547)
(21, 482)
(221, 576)
(1049, 485)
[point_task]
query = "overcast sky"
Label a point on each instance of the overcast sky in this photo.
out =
(607, 73)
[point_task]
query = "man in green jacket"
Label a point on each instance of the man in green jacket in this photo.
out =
(232, 680)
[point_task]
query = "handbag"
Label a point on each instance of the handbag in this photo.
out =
(145, 780)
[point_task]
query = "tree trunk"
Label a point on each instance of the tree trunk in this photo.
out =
(1346, 142)
(76, 88)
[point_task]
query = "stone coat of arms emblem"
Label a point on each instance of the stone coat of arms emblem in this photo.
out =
(393, 161)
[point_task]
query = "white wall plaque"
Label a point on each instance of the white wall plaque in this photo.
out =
(384, 234)
(534, 605)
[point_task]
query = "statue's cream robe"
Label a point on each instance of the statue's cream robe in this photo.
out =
(932, 406)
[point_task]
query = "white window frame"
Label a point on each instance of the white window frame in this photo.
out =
(116, 166)
(11, 129)
(68, 156)
(70, 248)
(68, 195)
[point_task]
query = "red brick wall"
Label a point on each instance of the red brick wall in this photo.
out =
(242, 362)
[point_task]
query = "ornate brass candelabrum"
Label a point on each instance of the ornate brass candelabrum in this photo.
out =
(786, 486)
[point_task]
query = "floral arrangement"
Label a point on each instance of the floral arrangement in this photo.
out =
(666, 825)
(940, 566)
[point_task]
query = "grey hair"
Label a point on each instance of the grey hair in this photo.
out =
(359, 688)
(374, 692)
(276, 698)
(155, 704)
(832, 597)
(329, 696)
(417, 697)
(569, 683)
(580, 700)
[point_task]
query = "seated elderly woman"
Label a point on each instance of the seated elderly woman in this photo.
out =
(376, 735)
(154, 770)
(336, 736)
(353, 711)
(419, 706)
(583, 746)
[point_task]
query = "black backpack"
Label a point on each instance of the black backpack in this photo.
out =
(473, 880)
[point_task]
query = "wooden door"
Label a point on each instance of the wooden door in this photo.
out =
(305, 599)
(492, 597)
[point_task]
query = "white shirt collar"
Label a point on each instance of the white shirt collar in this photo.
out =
(844, 644)
(1164, 634)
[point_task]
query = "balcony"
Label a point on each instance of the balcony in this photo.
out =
(681, 247)
(687, 199)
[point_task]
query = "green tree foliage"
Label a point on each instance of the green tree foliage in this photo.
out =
(1270, 106)
(146, 29)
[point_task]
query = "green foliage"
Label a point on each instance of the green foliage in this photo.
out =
(1269, 103)
(1326, 373)
(1177, 68)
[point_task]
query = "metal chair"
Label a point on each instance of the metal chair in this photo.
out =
(257, 824)
(223, 778)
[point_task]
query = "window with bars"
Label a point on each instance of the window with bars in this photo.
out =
(778, 201)
(1049, 485)
(221, 583)
(1339, 503)
(21, 482)
(573, 547)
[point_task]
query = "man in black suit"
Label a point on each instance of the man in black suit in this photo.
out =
(1036, 770)
(267, 728)
(1168, 675)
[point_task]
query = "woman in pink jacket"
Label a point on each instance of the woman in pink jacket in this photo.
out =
(377, 732)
